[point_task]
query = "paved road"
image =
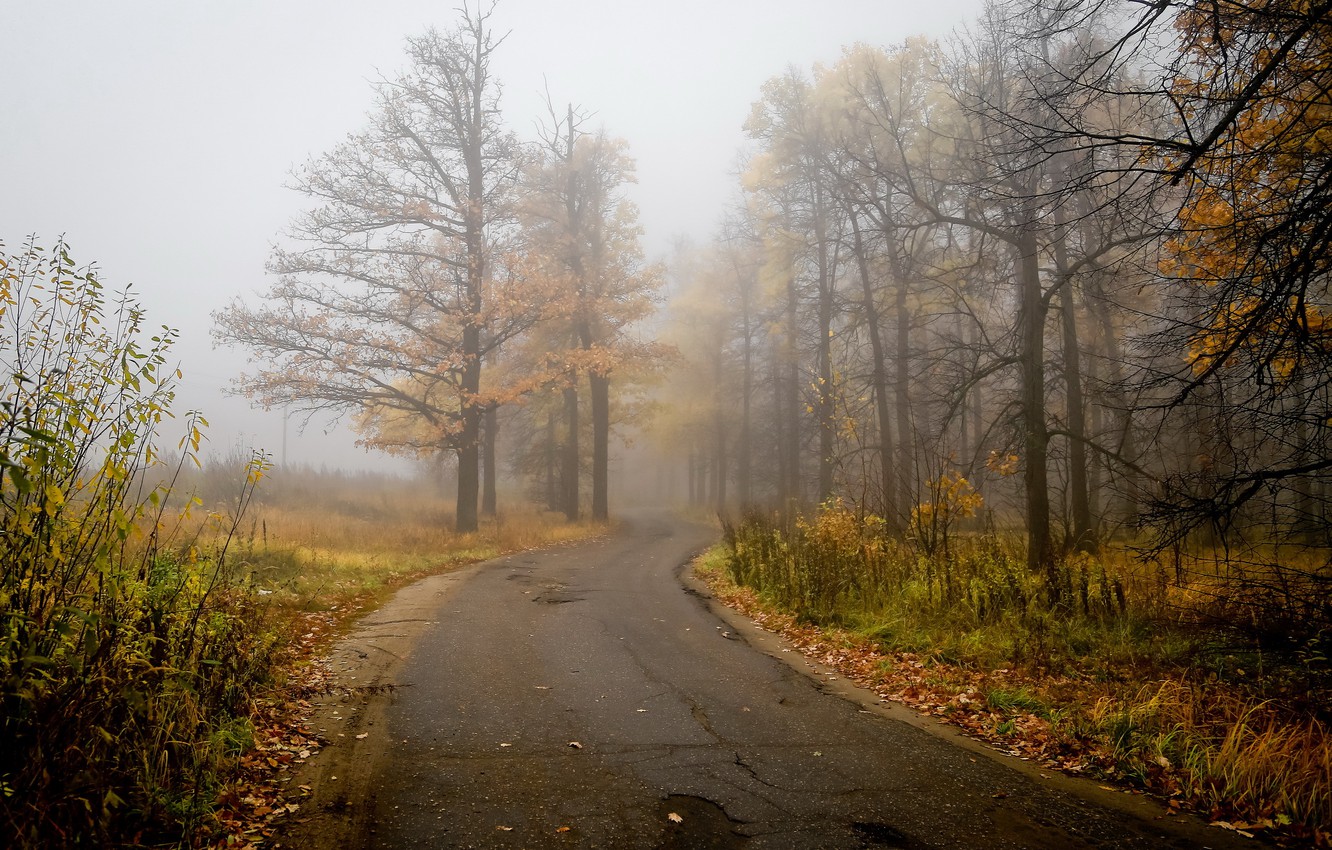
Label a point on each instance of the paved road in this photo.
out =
(673, 711)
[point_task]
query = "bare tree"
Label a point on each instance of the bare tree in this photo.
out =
(383, 302)
(804, 225)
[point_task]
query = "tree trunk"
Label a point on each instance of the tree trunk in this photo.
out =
(780, 425)
(469, 463)
(600, 386)
(469, 445)
(1305, 525)
(469, 454)
(1040, 552)
(489, 499)
(906, 467)
(720, 438)
(827, 398)
(745, 464)
(792, 491)
(1099, 301)
(553, 500)
(1095, 432)
(879, 382)
(977, 401)
(964, 449)
(1083, 535)
(572, 485)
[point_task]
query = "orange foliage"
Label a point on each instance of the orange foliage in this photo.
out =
(1245, 223)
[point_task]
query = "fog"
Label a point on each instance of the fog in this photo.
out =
(157, 137)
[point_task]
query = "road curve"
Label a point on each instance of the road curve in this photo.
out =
(581, 696)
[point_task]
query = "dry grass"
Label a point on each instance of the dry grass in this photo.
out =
(317, 550)
(319, 540)
(1234, 756)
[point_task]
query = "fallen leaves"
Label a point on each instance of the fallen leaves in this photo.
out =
(674, 818)
(250, 807)
(1242, 829)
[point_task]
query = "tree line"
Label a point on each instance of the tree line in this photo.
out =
(1076, 257)
(447, 269)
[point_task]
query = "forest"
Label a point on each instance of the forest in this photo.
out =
(1015, 355)
(1055, 260)
(1010, 353)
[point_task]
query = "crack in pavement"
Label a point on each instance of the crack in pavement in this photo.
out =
(753, 773)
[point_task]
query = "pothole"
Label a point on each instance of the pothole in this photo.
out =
(881, 835)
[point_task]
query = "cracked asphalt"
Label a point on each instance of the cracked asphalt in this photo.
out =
(579, 697)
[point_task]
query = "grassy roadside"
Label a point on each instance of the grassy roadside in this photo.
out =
(1115, 695)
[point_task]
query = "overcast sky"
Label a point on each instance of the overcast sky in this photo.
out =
(157, 136)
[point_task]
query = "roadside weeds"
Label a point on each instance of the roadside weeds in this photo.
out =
(1063, 723)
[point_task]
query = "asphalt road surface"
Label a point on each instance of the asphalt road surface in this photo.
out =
(582, 696)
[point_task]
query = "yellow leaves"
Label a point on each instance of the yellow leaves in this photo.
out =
(1003, 464)
(1253, 326)
(257, 467)
(951, 498)
(1208, 346)
(1255, 174)
(838, 528)
(55, 500)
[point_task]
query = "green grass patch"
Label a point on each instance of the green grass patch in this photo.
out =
(1015, 700)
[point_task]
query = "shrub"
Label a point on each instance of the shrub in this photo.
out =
(128, 660)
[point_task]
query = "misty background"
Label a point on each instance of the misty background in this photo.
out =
(157, 137)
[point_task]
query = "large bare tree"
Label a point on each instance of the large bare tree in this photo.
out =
(382, 302)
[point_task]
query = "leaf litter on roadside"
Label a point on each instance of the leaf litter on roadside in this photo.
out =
(956, 695)
(250, 807)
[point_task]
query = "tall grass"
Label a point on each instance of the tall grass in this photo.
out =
(842, 567)
(147, 604)
(1239, 757)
